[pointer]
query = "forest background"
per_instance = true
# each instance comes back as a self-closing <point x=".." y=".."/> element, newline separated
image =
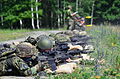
<point x="35" y="14"/>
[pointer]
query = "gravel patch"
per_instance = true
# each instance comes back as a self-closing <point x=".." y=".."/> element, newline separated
<point x="32" y="34"/>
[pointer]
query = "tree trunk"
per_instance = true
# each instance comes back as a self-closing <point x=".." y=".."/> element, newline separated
<point x="52" y="24"/>
<point x="37" y="15"/>
<point x="76" y="5"/>
<point x="21" y="24"/>
<point x="92" y="12"/>
<point x="1" y="16"/>
<point x="2" y="20"/>
<point x="33" y="26"/>
<point x="58" y="16"/>
<point x="64" y="13"/>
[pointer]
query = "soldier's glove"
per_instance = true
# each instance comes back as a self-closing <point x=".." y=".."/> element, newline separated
<point x="71" y="47"/>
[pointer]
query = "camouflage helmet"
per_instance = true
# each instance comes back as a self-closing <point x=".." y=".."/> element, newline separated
<point x="41" y="37"/>
<point x="45" y="42"/>
<point x="26" y="49"/>
<point x="62" y="37"/>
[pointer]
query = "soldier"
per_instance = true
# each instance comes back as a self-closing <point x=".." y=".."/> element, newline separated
<point x="74" y="21"/>
<point x="80" y="24"/>
<point x="70" y="21"/>
<point x="45" y="46"/>
<point x="13" y="61"/>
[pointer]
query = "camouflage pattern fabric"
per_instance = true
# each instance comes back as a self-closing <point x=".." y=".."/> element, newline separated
<point x="11" y="61"/>
<point x="70" y="24"/>
<point x="26" y="49"/>
<point x="42" y="37"/>
<point x="31" y="40"/>
<point x="71" y="33"/>
<point x="3" y="67"/>
<point x="15" y="63"/>
<point x="69" y="20"/>
<point x="81" y="28"/>
<point x="62" y="38"/>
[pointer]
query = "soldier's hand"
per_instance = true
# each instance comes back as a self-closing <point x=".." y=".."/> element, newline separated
<point x="71" y="47"/>
<point x="68" y="60"/>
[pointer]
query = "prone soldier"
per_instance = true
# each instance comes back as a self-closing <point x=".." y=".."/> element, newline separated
<point x="53" y="58"/>
<point x="12" y="61"/>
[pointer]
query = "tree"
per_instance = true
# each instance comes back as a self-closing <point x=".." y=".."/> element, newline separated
<point x="32" y="14"/>
<point x="17" y="13"/>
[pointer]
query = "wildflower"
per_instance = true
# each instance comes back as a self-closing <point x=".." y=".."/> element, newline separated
<point x="113" y="44"/>
<point x="118" y="75"/>
<point x="97" y="77"/>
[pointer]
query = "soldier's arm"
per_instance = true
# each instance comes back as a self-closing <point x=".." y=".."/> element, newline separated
<point x="23" y="68"/>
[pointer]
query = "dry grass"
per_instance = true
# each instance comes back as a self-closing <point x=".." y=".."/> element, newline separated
<point x="12" y="34"/>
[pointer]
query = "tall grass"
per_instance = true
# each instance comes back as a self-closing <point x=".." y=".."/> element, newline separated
<point x="107" y="56"/>
<point x="107" y="43"/>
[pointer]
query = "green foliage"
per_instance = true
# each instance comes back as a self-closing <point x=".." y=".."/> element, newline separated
<point x="52" y="13"/>
<point x="16" y="10"/>
<point x="108" y="10"/>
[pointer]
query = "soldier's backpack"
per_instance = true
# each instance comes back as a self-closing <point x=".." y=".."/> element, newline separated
<point x="26" y="49"/>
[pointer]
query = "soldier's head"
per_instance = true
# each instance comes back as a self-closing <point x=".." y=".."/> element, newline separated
<point x="45" y="43"/>
<point x="69" y="7"/>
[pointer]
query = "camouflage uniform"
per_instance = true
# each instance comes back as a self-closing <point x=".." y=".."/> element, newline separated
<point x="15" y="65"/>
<point x="70" y="21"/>
<point x="61" y="37"/>
<point x="80" y="24"/>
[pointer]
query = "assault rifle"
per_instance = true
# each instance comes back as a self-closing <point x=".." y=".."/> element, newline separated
<point x="64" y="46"/>
<point x="81" y="38"/>
<point x="52" y="57"/>
<point x="56" y="55"/>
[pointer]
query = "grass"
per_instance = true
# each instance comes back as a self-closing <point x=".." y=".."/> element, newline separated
<point x="107" y="47"/>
